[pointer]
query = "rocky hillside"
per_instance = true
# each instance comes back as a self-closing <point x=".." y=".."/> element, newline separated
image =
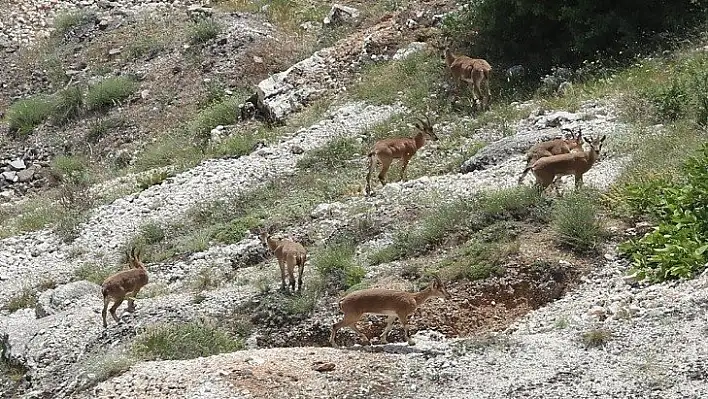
<point x="185" y="128"/>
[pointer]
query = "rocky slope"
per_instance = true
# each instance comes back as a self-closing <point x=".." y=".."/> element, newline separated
<point x="605" y="337"/>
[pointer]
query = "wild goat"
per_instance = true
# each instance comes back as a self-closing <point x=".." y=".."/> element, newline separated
<point x="126" y="283"/>
<point x="403" y="148"/>
<point x="574" y="163"/>
<point x="552" y="147"/>
<point x="289" y="254"/>
<point x="392" y="303"/>
<point x="475" y="71"/>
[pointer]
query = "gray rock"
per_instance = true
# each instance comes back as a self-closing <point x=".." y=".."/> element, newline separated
<point x="18" y="164"/>
<point x="66" y="296"/>
<point x="27" y="175"/>
<point x="341" y="14"/>
<point x="10" y="176"/>
<point x="412" y="48"/>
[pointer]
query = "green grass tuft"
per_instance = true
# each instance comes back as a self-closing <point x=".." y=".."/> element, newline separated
<point x="24" y="115"/>
<point x="184" y="341"/>
<point x="109" y="92"/>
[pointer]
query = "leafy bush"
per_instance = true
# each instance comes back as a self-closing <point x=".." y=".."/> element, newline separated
<point x="184" y="341"/>
<point x="542" y="34"/>
<point x="234" y="230"/>
<point x="575" y="221"/>
<point x="335" y="262"/>
<point x="685" y="94"/>
<point x="24" y="115"/>
<point x="109" y="92"/>
<point x="677" y="245"/>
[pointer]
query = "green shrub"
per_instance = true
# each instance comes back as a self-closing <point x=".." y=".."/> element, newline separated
<point x="479" y="260"/>
<point x="103" y="366"/>
<point x="68" y="104"/>
<point x="411" y="80"/>
<point x="152" y="233"/>
<point x="94" y="272"/>
<point x="596" y="337"/>
<point x="575" y="221"/>
<point x="459" y="219"/>
<point x="65" y="22"/>
<point x="24" y="115"/>
<point x="335" y="262"/>
<point x="539" y="35"/>
<point x="100" y="128"/>
<point x="676" y="247"/>
<point x="333" y="155"/>
<point x="184" y="341"/>
<point x="109" y="92"/>
<point x="222" y="113"/>
<point x="144" y="47"/>
<point x="25" y="299"/>
<point x="234" y="230"/>
<point x="203" y="30"/>
<point x="152" y="179"/>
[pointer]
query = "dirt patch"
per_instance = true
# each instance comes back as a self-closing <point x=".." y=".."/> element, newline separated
<point x="271" y="379"/>
<point x="475" y="307"/>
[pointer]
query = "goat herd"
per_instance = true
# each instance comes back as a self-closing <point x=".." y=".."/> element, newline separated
<point x="547" y="161"/>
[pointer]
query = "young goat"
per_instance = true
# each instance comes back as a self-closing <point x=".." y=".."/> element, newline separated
<point x="574" y="163"/>
<point x="289" y="254"/>
<point x="552" y="147"/>
<point x="475" y="71"/>
<point x="392" y="303"/>
<point x="403" y="148"/>
<point x="126" y="283"/>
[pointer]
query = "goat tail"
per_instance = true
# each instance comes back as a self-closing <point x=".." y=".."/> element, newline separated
<point x="523" y="174"/>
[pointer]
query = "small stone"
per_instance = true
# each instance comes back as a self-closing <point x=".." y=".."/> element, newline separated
<point x="114" y="51"/>
<point x="257" y="59"/>
<point x="296" y="149"/>
<point x="18" y="164"/>
<point x="323" y="367"/>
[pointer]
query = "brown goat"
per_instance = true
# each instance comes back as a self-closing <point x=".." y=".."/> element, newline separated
<point x="126" y="283"/>
<point x="552" y="147"/>
<point x="289" y="254"/>
<point x="474" y="71"/>
<point x="403" y="148"/>
<point x="574" y="163"/>
<point x="392" y="303"/>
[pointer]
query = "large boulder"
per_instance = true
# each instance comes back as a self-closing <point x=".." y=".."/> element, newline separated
<point x="65" y="297"/>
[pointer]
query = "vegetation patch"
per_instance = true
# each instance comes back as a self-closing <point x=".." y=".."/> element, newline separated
<point x="575" y="221"/>
<point x="24" y="115"/>
<point x="483" y="256"/>
<point x="335" y="264"/>
<point x="184" y="341"/>
<point x="109" y="92"/>
<point x="95" y="272"/>
<point x="676" y="247"/>
<point x="595" y="338"/>
<point x="412" y="80"/>
<point x="456" y="221"/>
<point x="104" y="366"/>
<point x="203" y="30"/>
